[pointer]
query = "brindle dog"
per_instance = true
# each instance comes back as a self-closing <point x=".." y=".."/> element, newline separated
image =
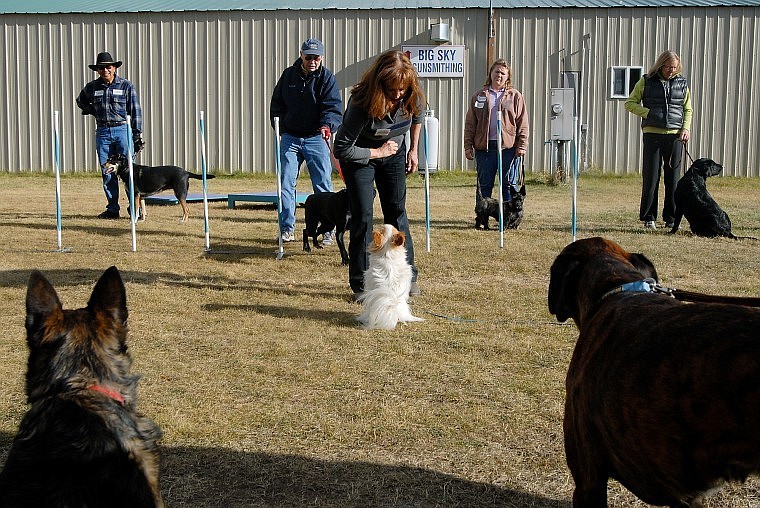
<point x="661" y="395"/>
<point x="82" y="443"/>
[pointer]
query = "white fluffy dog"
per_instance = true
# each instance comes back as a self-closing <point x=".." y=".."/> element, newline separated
<point x="386" y="282"/>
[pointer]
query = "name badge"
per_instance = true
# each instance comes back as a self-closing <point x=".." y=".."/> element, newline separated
<point x="479" y="105"/>
<point x="118" y="92"/>
<point x="98" y="93"/>
<point x="382" y="132"/>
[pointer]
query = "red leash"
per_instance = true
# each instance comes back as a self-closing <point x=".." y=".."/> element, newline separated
<point x="334" y="160"/>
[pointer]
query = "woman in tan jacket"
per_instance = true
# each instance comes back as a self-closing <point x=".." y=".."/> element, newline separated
<point x="496" y="98"/>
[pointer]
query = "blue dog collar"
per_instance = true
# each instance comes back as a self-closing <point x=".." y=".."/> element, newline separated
<point x="639" y="286"/>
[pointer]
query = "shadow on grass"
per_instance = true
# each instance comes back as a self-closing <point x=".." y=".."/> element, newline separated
<point x="212" y="477"/>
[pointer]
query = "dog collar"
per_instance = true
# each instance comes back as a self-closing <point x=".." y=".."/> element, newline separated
<point x="639" y="286"/>
<point x="107" y="391"/>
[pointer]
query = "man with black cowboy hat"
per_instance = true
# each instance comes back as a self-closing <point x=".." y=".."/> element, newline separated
<point x="110" y="99"/>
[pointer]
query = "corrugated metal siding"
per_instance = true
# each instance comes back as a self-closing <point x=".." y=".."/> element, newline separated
<point x="226" y="64"/>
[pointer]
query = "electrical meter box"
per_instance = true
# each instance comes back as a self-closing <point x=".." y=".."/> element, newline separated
<point x="561" y="106"/>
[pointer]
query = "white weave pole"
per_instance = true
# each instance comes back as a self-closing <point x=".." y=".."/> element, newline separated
<point x="501" y="184"/>
<point x="427" y="183"/>
<point x="57" y="159"/>
<point x="280" y="250"/>
<point x="204" y="170"/>
<point x="133" y="206"/>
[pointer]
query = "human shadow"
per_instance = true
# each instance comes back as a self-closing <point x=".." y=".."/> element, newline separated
<point x="213" y="477"/>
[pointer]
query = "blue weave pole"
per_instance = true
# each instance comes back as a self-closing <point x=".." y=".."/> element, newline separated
<point x="204" y="171"/>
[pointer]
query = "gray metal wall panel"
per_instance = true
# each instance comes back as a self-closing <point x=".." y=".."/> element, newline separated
<point x="226" y="63"/>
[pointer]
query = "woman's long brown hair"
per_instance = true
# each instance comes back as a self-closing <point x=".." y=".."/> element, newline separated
<point x="392" y="69"/>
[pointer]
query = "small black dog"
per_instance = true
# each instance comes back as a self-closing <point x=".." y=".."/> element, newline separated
<point x="82" y="442"/>
<point x="151" y="180"/>
<point x="489" y="207"/>
<point x="694" y="202"/>
<point x="326" y="211"/>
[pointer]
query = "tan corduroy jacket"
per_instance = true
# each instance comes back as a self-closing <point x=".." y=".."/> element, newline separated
<point x="514" y="120"/>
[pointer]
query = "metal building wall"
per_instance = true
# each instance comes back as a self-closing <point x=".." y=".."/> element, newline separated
<point x="226" y="64"/>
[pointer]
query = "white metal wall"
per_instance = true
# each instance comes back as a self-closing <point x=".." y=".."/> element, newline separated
<point x="226" y="64"/>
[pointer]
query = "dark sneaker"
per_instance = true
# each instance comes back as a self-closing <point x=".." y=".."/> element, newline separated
<point x="414" y="289"/>
<point x="108" y="214"/>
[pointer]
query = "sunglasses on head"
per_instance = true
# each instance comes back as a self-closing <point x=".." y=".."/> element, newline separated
<point x="312" y="57"/>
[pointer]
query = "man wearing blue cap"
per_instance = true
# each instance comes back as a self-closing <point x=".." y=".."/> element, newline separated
<point x="307" y="101"/>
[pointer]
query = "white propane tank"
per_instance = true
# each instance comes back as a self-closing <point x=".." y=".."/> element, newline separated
<point x="428" y="150"/>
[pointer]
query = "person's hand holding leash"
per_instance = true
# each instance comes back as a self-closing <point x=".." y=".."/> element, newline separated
<point x="684" y="135"/>
<point x="326" y="133"/>
<point x="387" y="149"/>
<point x="139" y="144"/>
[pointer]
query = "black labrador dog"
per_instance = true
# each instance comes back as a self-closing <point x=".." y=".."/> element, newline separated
<point x="694" y="202"/>
<point x="325" y="211"/>
<point x="153" y="179"/>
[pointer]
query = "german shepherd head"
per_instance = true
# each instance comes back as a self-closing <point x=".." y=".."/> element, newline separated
<point x="82" y="442"/>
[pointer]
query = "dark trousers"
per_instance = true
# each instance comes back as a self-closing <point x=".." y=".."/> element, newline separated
<point x="389" y="175"/>
<point x="662" y="152"/>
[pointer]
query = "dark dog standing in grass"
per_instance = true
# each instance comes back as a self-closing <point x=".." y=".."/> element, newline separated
<point x="82" y="443"/>
<point x="326" y="211"/>
<point x="489" y="207"/>
<point x="661" y="395"/>
<point x="151" y="180"/>
<point x="693" y="201"/>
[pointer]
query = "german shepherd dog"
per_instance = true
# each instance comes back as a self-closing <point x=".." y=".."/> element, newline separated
<point x="82" y="443"/>
<point x="151" y="180"/>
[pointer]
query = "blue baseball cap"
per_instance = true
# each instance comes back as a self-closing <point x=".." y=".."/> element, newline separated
<point x="313" y="47"/>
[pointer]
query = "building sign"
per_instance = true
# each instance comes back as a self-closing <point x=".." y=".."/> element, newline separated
<point x="437" y="61"/>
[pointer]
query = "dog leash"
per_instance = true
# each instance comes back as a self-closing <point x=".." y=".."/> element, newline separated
<point x="334" y="160"/>
<point x="652" y="286"/>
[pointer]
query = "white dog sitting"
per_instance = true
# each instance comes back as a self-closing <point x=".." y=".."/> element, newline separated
<point x="386" y="282"/>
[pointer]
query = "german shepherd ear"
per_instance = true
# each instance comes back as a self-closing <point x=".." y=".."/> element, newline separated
<point x="110" y="296"/>
<point x="41" y="302"/>
<point x="643" y="265"/>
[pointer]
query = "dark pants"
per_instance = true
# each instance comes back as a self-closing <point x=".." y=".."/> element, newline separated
<point x="662" y="152"/>
<point x="389" y="175"/>
<point x="487" y="165"/>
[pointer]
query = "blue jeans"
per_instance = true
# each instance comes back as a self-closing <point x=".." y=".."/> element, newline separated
<point x="293" y="152"/>
<point x="389" y="175"/>
<point x="111" y="141"/>
<point x="487" y="165"/>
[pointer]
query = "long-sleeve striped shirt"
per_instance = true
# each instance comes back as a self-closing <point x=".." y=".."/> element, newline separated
<point x="110" y="104"/>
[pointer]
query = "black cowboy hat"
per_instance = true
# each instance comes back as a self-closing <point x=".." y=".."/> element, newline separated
<point x="103" y="59"/>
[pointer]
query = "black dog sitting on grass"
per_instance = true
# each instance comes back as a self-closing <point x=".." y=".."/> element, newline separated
<point x="326" y="211"/>
<point x="694" y="202"/>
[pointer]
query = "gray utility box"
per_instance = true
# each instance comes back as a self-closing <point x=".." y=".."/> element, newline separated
<point x="561" y="106"/>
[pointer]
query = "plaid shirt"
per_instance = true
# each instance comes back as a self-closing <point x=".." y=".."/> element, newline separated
<point x="110" y="104"/>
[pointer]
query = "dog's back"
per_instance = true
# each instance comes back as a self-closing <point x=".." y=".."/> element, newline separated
<point x="326" y="211"/>
<point x="82" y="443"/>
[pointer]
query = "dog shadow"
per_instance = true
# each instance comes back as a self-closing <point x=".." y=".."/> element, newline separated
<point x="211" y="477"/>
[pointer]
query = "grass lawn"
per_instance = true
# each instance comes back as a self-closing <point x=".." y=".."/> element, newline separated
<point x="268" y="392"/>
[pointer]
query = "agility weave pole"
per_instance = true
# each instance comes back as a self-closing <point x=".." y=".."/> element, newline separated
<point x="204" y="171"/>
<point x="501" y="183"/>
<point x="427" y="183"/>
<point x="132" y="207"/>
<point x="280" y="250"/>
<point x="57" y="160"/>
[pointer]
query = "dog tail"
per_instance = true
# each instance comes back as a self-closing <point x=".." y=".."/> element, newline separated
<point x="200" y="177"/>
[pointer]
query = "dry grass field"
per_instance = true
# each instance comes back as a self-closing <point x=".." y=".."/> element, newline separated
<point x="270" y="395"/>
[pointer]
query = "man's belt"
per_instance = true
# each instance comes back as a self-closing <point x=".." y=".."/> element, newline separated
<point x="111" y="124"/>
